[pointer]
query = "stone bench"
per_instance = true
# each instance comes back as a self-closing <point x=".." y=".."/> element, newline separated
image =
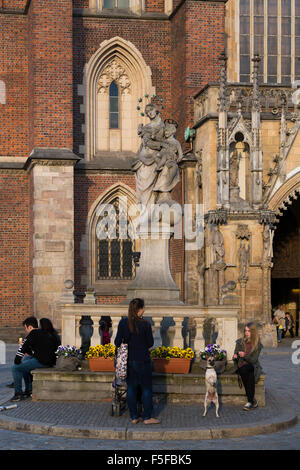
<point x="83" y="385"/>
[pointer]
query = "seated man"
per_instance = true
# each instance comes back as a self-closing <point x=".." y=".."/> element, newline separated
<point x="41" y="343"/>
<point x="29" y="324"/>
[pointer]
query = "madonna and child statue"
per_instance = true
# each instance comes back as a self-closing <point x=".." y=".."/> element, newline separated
<point x="157" y="174"/>
<point x="156" y="166"/>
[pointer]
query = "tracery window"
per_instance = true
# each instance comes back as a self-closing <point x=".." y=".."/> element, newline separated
<point x="115" y="251"/>
<point x="271" y="29"/>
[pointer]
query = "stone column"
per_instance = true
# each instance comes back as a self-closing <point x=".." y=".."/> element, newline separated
<point x="191" y="246"/>
<point x="52" y="220"/>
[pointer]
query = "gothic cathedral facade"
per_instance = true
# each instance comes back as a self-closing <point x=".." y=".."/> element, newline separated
<point x="74" y="79"/>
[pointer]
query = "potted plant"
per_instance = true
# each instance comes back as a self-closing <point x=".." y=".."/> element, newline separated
<point x="101" y="357"/>
<point x="172" y="360"/>
<point x="68" y="358"/>
<point x="220" y="356"/>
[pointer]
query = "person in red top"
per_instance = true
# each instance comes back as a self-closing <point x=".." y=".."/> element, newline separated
<point x="246" y="353"/>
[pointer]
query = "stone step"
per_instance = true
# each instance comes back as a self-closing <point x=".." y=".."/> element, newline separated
<point x="55" y="385"/>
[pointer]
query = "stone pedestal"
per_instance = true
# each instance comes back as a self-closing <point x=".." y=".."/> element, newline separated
<point x="154" y="282"/>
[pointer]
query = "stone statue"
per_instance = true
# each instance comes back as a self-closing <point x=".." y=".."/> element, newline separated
<point x="243" y="260"/>
<point x="217" y="244"/>
<point x="234" y="169"/>
<point x="267" y="243"/>
<point x="156" y="168"/>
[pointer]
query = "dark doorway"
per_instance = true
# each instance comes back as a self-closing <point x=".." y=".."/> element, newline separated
<point x="285" y="285"/>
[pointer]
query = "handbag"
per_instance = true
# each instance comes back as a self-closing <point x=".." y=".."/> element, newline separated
<point x="121" y="362"/>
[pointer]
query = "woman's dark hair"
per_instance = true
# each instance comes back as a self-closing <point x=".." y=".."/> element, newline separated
<point x="134" y="307"/>
<point x="46" y="326"/>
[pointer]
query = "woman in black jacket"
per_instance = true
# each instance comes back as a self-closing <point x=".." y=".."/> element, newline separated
<point x="246" y="354"/>
<point x="137" y="333"/>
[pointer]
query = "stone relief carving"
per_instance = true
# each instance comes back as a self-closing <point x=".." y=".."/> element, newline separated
<point x="113" y="72"/>
<point x="156" y="167"/>
<point x="268" y="236"/>
<point x="243" y="255"/>
<point x="243" y="232"/>
<point x="234" y="169"/>
<point x="217" y="247"/>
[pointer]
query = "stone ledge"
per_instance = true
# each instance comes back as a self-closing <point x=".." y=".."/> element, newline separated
<point x="86" y="386"/>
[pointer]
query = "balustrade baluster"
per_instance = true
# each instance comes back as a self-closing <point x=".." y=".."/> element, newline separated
<point x="156" y="331"/>
<point x="95" y="339"/>
<point x="178" y="338"/>
<point x="199" y="342"/>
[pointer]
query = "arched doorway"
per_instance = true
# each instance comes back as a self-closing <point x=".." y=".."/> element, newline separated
<point x="285" y="285"/>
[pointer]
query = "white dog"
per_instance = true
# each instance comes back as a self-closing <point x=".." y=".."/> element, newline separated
<point x="211" y="394"/>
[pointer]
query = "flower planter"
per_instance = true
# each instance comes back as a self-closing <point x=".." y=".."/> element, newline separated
<point x="67" y="363"/>
<point x="102" y="364"/>
<point x="173" y="365"/>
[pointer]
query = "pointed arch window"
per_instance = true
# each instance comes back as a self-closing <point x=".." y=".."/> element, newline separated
<point x="114" y="106"/>
<point x="115" y="252"/>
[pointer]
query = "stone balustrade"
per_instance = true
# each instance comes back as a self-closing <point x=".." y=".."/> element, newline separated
<point x="170" y="325"/>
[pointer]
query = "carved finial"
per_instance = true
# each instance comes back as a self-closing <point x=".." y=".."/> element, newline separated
<point x="223" y="81"/>
<point x="255" y="96"/>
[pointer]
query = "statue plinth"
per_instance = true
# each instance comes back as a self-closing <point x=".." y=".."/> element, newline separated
<point x="154" y="282"/>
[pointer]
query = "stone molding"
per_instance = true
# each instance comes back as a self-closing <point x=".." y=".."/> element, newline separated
<point x="50" y="157"/>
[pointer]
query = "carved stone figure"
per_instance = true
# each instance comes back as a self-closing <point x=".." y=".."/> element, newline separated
<point x="267" y="243"/>
<point x="243" y="260"/>
<point x="156" y="168"/>
<point x="217" y="244"/>
<point x="234" y="169"/>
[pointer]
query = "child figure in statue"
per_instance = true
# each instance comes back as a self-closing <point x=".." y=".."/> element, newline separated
<point x="171" y="149"/>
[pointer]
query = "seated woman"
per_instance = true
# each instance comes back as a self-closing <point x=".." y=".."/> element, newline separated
<point x="246" y="353"/>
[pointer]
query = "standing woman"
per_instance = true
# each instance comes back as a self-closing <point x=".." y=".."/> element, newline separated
<point x="246" y="353"/>
<point x="137" y="333"/>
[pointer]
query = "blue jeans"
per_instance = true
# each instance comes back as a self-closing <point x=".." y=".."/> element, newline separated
<point x="22" y="371"/>
<point x="279" y="333"/>
<point x="139" y="374"/>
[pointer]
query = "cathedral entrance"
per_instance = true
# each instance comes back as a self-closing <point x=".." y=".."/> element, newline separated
<point x="285" y="286"/>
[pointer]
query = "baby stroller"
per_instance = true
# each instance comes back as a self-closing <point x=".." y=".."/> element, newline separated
<point x="119" y="384"/>
<point x="118" y="404"/>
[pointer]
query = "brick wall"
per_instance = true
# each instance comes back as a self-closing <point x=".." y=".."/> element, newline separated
<point x="50" y="73"/>
<point x="13" y="72"/>
<point x="15" y="282"/>
<point x="197" y="32"/>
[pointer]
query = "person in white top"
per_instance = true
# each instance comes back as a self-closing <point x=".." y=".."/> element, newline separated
<point x="279" y="321"/>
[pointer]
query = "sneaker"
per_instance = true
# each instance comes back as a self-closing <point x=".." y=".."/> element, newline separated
<point x="27" y="394"/>
<point x="248" y="406"/>
<point x="17" y="397"/>
<point x="254" y="404"/>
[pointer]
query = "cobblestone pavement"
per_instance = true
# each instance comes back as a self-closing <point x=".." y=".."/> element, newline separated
<point x="282" y="378"/>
